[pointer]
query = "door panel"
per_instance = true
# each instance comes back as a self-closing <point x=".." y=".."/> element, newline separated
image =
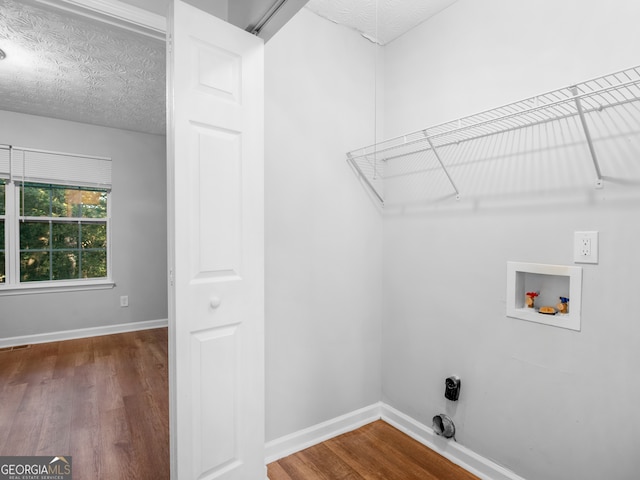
<point x="215" y="396"/>
<point x="216" y="180"/>
<point x="218" y="71"/>
<point x="216" y="297"/>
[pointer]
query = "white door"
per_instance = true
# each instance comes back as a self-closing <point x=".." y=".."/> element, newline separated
<point x="216" y="248"/>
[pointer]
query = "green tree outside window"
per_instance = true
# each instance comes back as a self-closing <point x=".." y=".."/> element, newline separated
<point x="63" y="233"/>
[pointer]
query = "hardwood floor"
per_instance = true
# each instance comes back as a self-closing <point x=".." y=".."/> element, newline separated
<point x="104" y="401"/>
<point x="375" y="451"/>
<point x="101" y="400"/>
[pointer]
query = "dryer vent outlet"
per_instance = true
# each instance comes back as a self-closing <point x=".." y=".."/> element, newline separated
<point x="443" y="426"/>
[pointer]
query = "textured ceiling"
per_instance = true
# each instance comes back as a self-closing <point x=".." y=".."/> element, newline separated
<point x="65" y="66"/>
<point x="394" y="17"/>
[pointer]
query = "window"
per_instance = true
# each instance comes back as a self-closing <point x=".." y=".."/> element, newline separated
<point x="63" y="233"/>
<point x="55" y="216"/>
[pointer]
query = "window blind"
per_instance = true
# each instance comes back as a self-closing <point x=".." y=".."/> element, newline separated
<point x="5" y="155"/>
<point x="39" y="166"/>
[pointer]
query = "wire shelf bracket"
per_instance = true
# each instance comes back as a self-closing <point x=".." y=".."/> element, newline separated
<point x="587" y="134"/>
<point x="444" y="168"/>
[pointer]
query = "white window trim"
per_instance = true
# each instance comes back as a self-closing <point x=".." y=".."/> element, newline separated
<point x="12" y="285"/>
<point x="56" y="286"/>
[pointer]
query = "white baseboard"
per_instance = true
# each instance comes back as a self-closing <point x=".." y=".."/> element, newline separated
<point x="297" y="441"/>
<point x="82" y="333"/>
<point x="469" y="460"/>
<point x="460" y="455"/>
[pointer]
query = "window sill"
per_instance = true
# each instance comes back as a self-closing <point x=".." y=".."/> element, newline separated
<point x="55" y="287"/>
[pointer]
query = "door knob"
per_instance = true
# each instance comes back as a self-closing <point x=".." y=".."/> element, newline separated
<point x="215" y="302"/>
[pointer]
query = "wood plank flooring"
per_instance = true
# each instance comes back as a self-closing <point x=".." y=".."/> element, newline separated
<point x="102" y="400"/>
<point x="376" y="451"/>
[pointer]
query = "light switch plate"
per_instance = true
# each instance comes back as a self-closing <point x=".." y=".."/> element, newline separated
<point x="585" y="247"/>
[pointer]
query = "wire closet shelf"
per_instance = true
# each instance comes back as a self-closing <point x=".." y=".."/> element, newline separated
<point x="614" y="90"/>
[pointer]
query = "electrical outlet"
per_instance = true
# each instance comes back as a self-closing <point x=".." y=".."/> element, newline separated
<point x="124" y="301"/>
<point x="585" y="247"/>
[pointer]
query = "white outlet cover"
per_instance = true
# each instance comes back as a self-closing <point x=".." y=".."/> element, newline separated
<point x="578" y="247"/>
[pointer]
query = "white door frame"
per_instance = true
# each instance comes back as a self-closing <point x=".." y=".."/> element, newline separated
<point x="117" y="13"/>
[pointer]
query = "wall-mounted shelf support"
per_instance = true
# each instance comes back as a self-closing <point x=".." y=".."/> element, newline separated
<point x="444" y="168"/>
<point x="587" y="134"/>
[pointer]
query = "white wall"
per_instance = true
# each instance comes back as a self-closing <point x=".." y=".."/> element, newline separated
<point x="323" y="233"/>
<point x="548" y="403"/>
<point x="139" y="226"/>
